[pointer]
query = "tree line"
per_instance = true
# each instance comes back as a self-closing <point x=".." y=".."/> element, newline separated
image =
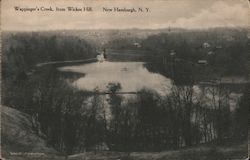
<point x="24" y="50"/>
<point x="224" y="49"/>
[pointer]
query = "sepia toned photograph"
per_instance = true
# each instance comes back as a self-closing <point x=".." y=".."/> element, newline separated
<point x="125" y="80"/>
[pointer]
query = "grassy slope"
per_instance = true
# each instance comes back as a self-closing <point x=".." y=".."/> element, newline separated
<point x="17" y="135"/>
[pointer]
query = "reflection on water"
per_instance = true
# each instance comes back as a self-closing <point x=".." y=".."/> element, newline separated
<point x="131" y="75"/>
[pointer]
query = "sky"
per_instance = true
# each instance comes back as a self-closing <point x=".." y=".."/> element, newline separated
<point x="189" y="14"/>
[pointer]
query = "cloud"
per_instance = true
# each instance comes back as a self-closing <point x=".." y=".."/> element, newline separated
<point x="220" y="14"/>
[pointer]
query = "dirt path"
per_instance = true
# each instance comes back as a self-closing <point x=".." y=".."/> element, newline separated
<point x="61" y="62"/>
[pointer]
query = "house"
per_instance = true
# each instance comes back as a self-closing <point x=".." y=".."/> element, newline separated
<point x="206" y="45"/>
<point x="138" y="45"/>
<point x="172" y="53"/>
<point x="218" y="47"/>
<point x="102" y="56"/>
<point x="210" y="53"/>
<point x="203" y="62"/>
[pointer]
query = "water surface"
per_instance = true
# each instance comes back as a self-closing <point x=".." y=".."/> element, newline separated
<point x="132" y="76"/>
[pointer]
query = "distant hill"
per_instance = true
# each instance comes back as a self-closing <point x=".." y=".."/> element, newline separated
<point x="102" y="36"/>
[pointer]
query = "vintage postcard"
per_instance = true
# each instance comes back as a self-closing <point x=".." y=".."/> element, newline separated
<point x="125" y="79"/>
